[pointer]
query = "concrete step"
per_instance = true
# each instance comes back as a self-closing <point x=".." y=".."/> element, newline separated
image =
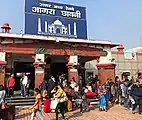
<point x="20" y="101"/>
<point x="18" y="93"/>
<point x="21" y="104"/>
<point x="19" y="98"/>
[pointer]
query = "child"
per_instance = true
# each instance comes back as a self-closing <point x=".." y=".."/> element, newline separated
<point x="102" y="99"/>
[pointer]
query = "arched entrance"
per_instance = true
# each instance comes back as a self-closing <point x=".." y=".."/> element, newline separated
<point x="58" y="30"/>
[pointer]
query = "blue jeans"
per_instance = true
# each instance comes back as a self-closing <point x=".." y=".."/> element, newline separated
<point x="23" y="90"/>
<point x="39" y="112"/>
<point x="126" y="102"/>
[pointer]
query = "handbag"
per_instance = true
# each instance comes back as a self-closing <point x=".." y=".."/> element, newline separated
<point x="3" y="106"/>
<point x="35" y="109"/>
<point x="54" y="104"/>
<point x="90" y="94"/>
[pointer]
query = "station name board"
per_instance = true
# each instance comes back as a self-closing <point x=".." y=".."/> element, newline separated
<point x="49" y="18"/>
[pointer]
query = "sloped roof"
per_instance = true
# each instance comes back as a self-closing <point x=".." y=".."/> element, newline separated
<point x="137" y="49"/>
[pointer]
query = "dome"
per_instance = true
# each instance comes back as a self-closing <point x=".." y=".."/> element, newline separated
<point x="58" y="22"/>
<point x="6" y="25"/>
<point x="120" y="46"/>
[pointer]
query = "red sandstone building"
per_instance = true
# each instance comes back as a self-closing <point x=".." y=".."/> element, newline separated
<point x="126" y="62"/>
<point x="45" y="55"/>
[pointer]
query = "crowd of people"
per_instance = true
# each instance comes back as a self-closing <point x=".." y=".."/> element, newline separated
<point x="60" y="95"/>
<point x="126" y="92"/>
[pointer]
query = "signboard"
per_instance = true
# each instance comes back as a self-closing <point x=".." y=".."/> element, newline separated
<point x="39" y="58"/>
<point x="54" y="19"/>
<point x="130" y="55"/>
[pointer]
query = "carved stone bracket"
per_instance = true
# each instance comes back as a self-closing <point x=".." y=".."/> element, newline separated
<point x="39" y="64"/>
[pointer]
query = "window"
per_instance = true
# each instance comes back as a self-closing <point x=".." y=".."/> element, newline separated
<point x="64" y="31"/>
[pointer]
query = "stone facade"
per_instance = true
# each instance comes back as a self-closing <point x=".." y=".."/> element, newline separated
<point x="122" y="65"/>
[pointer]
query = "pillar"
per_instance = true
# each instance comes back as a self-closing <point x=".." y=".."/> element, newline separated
<point x="106" y="71"/>
<point x="39" y="65"/>
<point x="3" y="64"/>
<point x="72" y="72"/>
<point x="39" y="73"/>
<point x="2" y="72"/>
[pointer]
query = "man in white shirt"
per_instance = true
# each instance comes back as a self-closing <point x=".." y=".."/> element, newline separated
<point x="24" y="83"/>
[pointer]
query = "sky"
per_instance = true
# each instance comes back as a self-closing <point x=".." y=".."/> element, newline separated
<point x="119" y="21"/>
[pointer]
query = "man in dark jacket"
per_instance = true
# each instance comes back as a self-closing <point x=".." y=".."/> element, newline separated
<point x="137" y="96"/>
<point x="51" y="85"/>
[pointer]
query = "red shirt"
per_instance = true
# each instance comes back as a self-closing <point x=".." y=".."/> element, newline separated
<point x="11" y="82"/>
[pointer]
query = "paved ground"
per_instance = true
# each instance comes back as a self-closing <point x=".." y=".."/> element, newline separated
<point x="115" y="113"/>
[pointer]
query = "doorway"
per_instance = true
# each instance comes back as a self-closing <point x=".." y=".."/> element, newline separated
<point x="24" y="67"/>
<point x="58" y="69"/>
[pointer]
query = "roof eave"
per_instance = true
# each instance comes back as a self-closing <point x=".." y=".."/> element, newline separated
<point x="57" y="39"/>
